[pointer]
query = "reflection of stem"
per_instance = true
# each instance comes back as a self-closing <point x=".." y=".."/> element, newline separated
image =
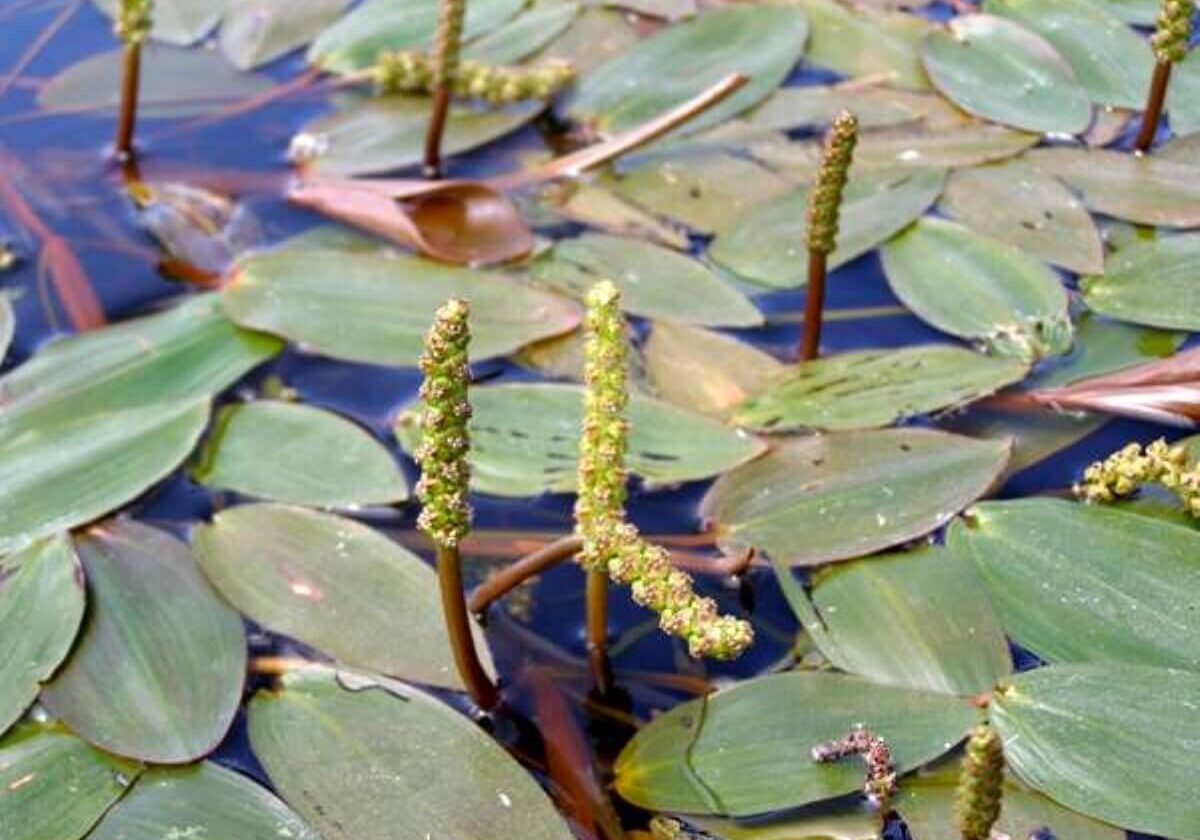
<point x="127" y="120"/>
<point x="814" y="306"/>
<point x="1154" y="106"/>
<point x="433" y="131"/>
<point x="511" y="576"/>
<point x="458" y="626"/>
<point x="597" y="631"/>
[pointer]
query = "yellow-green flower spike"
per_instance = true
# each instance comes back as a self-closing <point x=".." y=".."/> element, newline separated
<point x="981" y="785"/>
<point x="133" y="21"/>
<point x="447" y="41"/>
<point x="445" y="474"/>
<point x="600" y="503"/>
<point x="825" y="199"/>
<point x="1173" y="30"/>
<point x="410" y="71"/>
<point x="1121" y="474"/>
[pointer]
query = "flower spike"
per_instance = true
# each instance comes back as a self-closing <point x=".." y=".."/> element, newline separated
<point x="980" y="787"/>
<point x="825" y="200"/>
<point x="1173" y="30"/>
<point x="1122" y="473"/>
<point x="880" y="784"/>
<point x="409" y="71"/>
<point x="133" y="21"/>
<point x="447" y="41"/>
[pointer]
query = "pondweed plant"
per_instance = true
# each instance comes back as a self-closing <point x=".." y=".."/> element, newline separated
<point x="824" y="207"/>
<point x="132" y="27"/>
<point x="1121" y="474"/>
<point x="880" y="784"/>
<point x="1170" y="44"/>
<point x="981" y="784"/>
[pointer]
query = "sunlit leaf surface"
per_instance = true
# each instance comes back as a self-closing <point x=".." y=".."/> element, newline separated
<point x="182" y="22"/>
<point x="255" y="32"/>
<point x="1151" y="283"/>
<point x="865" y="43"/>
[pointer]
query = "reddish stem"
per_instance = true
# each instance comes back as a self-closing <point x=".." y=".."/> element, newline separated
<point x="127" y="119"/>
<point x="814" y="306"/>
<point x="1154" y="106"/>
<point x="434" y="131"/>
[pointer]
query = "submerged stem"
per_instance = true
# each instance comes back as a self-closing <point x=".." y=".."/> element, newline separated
<point x="130" y="81"/>
<point x="597" y="631"/>
<point x="1155" y="100"/>
<point x="434" y="130"/>
<point x="814" y="306"/>
<point x="458" y="626"/>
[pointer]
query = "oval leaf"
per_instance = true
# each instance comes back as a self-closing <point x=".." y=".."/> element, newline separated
<point x="767" y="243"/>
<point x="1001" y="71"/>
<point x="861" y="42"/>
<point x="832" y="497"/>
<point x="1062" y="581"/>
<point x="1183" y="96"/>
<point x="255" y="32"/>
<point x="357" y="764"/>
<point x="1109" y="741"/>
<point x="1151" y="282"/>
<point x="41" y="606"/>
<point x="655" y="282"/>
<point x="300" y="455"/>
<point x="334" y="584"/>
<point x="748" y="749"/>
<point x="873" y="388"/>
<point x="377" y="307"/>
<point x="979" y="289"/>
<point x="525" y="34"/>
<point x="182" y="22"/>
<point x="759" y="41"/>
<point x="204" y="800"/>
<point x="525" y="440"/>
<point x="157" y="673"/>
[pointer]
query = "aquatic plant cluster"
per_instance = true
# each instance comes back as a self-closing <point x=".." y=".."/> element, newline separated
<point x="944" y="586"/>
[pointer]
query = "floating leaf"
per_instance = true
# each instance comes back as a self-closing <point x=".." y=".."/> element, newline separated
<point x="377" y="307"/>
<point x="595" y="37"/>
<point x="1110" y="741"/>
<point x="700" y="191"/>
<point x="829" y="497"/>
<point x="1152" y="283"/>
<point x="58" y="476"/>
<point x="813" y="106"/>
<point x="655" y="282"/>
<point x="255" y="32"/>
<point x="979" y="289"/>
<point x="204" y="800"/>
<point x="1035" y="435"/>
<point x="8" y="325"/>
<point x="1103" y="346"/>
<point x="866" y="43"/>
<point x="1062" y="580"/>
<point x="181" y="22"/>
<point x="175" y="83"/>
<point x="157" y="673"/>
<point x="300" y="455"/>
<point x="1141" y="189"/>
<point x="1143" y="12"/>
<point x="1111" y="62"/>
<point x="565" y="357"/>
<point x="41" y="605"/>
<point x="386" y="133"/>
<point x="829" y="822"/>
<point x="748" y="749"/>
<point x="354" y="41"/>
<point x="596" y="206"/>
<point x="1183" y="96"/>
<point x="370" y="764"/>
<point x="334" y="584"/>
<point x="524" y="35"/>
<point x="766" y="243"/>
<point x="1028" y="210"/>
<point x="55" y="786"/>
<point x="704" y="371"/>
<point x="525" y="440"/>
<point x="871" y="388"/>
<point x="1001" y="71"/>
<point x="758" y="41"/>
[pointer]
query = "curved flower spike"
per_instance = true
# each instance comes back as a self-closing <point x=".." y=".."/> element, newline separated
<point x="133" y="21"/>
<point x="880" y="784"/>
<point x="1173" y="30"/>
<point x="980" y="787"/>
<point x="825" y="199"/>
<point x="410" y="71"/>
<point x="445" y="474"/>
<point x="1122" y="473"/>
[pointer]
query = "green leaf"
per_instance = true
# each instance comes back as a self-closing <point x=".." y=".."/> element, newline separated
<point x="866" y="43"/>
<point x="827" y="822"/>
<point x="157" y="673"/>
<point x="1035" y="434"/>
<point x="817" y="499"/>
<point x="748" y="749"/>
<point x="699" y="191"/>
<point x="1028" y="210"/>
<point x="655" y="282"/>
<point x="1152" y="283"/>
<point x="814" y="106"/>
<point x="300" y="455"/>
<point x="377" y="134"/>
<point x="1111" y="62"/>
<point x="1001" y="71"/>
<point x="56" y="786"/>
<point x="175" y="83"/>
<point x="59" y="476"/>
<point x="1141" y="189"/>
<point x="354" y="41"/>
<point x="1110" y="741"/>
<point x="255" y="32"/>
<point x="872" y="388"/>
<point x="1143" y="12"/>
<point x="525" y="439"/>
<point x="180" y="22"/>
<point x="759" y="41"/>
<point x="596" y="36"/>
<point x="979" y="289"/>
<point x="1062" y="580"/>
<point x="334" y="584"/>
<point x="525" y="34"/>
<point x="203" y="800"/>
<point x="915" y="618"/>
<point x="1103" y="346"/>
<point x="367" y="763"/>
<point x="41" y="606"/>
<point x="1183" y="96"/>
<point x="8" y="325"/>
<point x="766" y="244"/>
<point x="377" y="307"/>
